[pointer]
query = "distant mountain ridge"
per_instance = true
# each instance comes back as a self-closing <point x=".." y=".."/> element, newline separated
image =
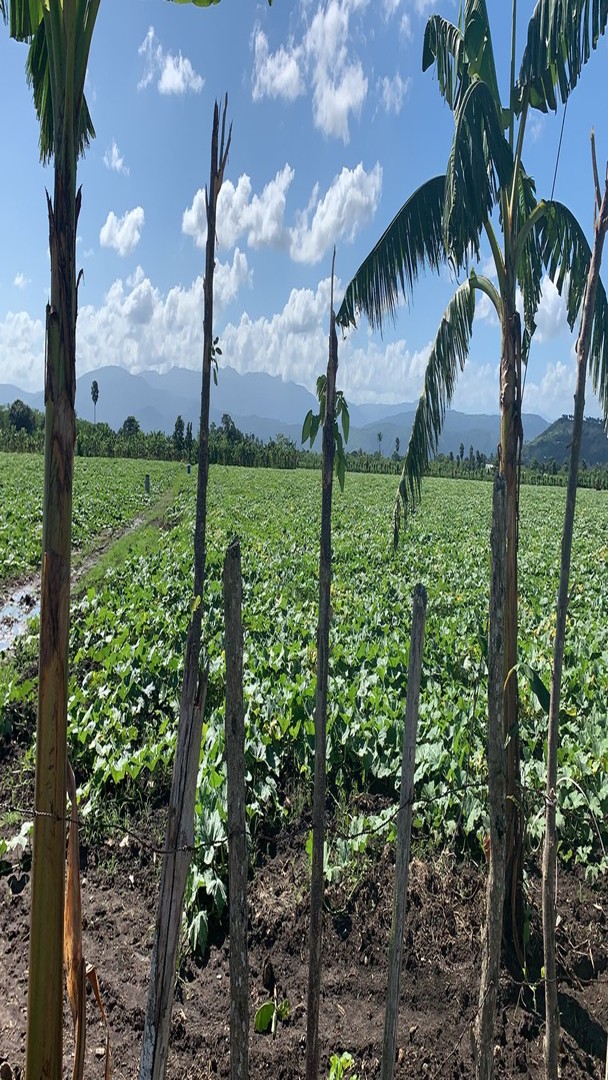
<point x="262" y="405"/>
<point x="554" y="443"/>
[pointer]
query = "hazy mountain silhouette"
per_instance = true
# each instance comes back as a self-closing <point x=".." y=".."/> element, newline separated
<point x="261" y="404"/>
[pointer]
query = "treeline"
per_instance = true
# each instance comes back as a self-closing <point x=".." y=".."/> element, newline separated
<point x="22" y="430"/>
<point x="537" y="473"/>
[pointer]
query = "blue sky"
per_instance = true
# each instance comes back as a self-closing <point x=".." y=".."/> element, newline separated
<point x="334" y="126"/>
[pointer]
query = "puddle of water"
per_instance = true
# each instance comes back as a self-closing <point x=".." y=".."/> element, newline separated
<point x="15" y="615"/>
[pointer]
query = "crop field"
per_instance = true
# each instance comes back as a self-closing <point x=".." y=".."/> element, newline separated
<point x="107" y="495"/>
<point x="127" y="643"/>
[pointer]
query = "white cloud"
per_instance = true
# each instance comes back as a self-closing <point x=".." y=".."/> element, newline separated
<point x="349" y="203"/>
<point x="175" y="74"/>
<point x="123" y="234"/>
<point x="383" y="371"/>
<point x="392" y="92"/>
<point x="114" y="160"/>
<point x="229" y="278"/>
<point x="240" y="213"/>
<point x="21" y="281"/>
<point x="484" y="309"/>
<point x="324" y="60"/>
<point x="554" y="393"/>
<point x="139" y="327"/>
<point x="551" y="319"/>
<point x="22" y="350"/>
<point x="278" y="74"/>
<point x="478" y="387"/>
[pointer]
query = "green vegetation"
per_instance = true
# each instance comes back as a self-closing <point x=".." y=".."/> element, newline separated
<point x="127" y="647"/>
<point x="552" y="447"/>
<point x="107" y="495"/>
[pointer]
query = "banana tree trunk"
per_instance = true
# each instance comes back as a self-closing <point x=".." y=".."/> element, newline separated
<point x="45" y="986"/>
<point x="510" y="441"/>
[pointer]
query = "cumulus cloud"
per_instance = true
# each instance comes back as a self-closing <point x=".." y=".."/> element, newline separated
<point x="174" y="74"/>
<point x="21" y="281"/>
<point x="139" y="327"/>
<point x="323" y="61"/>
<point x="241" y="213"/>
<point x="392" y="92"/>
<point x="123" y="234"/>
<point x="551" y="319"/>
<point x="22" y="350"/>
<point x="553" y="394"/>
<point x="349" y="203"/>
<point x="276" y="74"/>
<point x="114" y="160"/>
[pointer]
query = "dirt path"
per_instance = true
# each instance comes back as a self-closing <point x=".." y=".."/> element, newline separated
<point x="20" y="600"/>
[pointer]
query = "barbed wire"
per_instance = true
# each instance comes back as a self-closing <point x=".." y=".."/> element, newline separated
<point x="28" y="814"/>
<point x="333" y="831"/>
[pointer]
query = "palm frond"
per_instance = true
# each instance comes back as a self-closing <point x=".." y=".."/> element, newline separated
<point x="447" y="358"/>
<point x="561" y="36"/>
<point x="3" y="10"/>
<point x="529" y="268"/>
<point x="25" y="17"/>
<point x="38" y="71"/>
<point x="480" y="164"/>
<point x="479" y="50"/>
<point x="412" y="242"/>
<point x="566" y="255"/>
<point x="444" y="47"/>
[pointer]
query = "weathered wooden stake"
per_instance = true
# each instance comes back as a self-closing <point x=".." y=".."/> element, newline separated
<point x="552" y="1031"/>
<point x="237" y="834"/>
<point x="318" y="806"/>
<point x="497" y="787"/>
<point x="180" y="819"/>
<point x="404" y="833"/>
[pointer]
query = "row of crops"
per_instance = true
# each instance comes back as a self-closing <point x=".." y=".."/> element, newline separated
<point x="107" y="495"/>
<point x="127" y="644"/>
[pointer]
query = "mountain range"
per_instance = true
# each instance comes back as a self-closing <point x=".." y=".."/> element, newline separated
<point x="262" y="405"/>
<point x="554" y="443"/>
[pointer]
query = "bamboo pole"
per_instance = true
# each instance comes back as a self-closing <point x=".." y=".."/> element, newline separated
<point x="552" y="1031"/>
<point x="318" y="809"/>
<point x="237" y="835"/>
<point x="404" y="833"/>
<point x="180" y="818"/>
<point x="495" y="890"/>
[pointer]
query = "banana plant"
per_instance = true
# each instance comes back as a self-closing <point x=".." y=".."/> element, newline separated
<point x="487" y="194"/>
<point x="59" y="34"/>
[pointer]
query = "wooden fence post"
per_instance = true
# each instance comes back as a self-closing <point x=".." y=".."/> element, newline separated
<point x="404" y="833"/>
<point x="237" y="835"/>
<point x="497" y="794"/>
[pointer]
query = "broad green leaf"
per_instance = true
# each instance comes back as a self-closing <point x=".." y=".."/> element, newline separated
<point x="263" y="1017"/>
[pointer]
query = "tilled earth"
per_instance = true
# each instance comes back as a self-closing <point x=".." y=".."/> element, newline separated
<point x="439" y="988"/>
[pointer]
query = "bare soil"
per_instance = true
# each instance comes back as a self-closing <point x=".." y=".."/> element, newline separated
<point x="440" y="966"/>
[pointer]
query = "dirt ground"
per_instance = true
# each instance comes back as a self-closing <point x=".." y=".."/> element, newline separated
<point x="440" y="966"/>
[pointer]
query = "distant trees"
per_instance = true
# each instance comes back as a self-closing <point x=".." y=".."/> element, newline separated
<point x="178" y="438"/>
<point x="21" y="417"/>
<point x="95" y="397"/>
<point x="188" y="442"/>
<point x="130" y="428"/>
